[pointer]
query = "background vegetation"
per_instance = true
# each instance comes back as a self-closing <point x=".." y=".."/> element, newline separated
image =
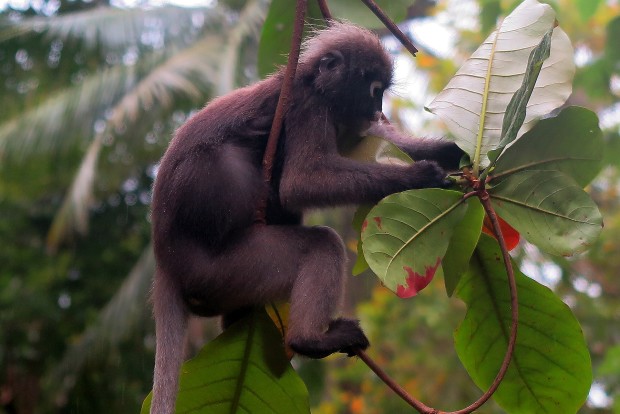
<point x="90" y="94"/>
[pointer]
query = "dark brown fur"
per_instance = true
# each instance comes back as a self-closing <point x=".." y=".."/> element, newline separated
<point x="211" y="258"/>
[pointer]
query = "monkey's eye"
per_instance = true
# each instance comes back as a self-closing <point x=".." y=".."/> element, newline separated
<point x="376" y="88"/>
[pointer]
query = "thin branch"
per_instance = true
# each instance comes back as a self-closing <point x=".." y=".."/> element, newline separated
<point x="400" y="391"/>
<point x="283" y="104"/>
<point x="391" y="26"/>
<point x="325" y="10"/>
<point x="514" y="303"/>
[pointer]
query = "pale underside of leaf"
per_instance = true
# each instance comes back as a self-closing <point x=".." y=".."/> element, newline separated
<point x="494" y="72"/>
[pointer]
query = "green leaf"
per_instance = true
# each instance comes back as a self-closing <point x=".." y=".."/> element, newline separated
<point x="549" y="209"/>
<point x="551" y="370"/>
<point x="462" y="244"/>
<point x="405" y="236"/>
<point x="275" y="40"/>
<point x="515" y="111"/>
<point x="571" y="142"/>
<point x="489" y="13"/>
<point x="243" y="370"/>
<point x="359" y="217"/>
<point x="389" y="153"/>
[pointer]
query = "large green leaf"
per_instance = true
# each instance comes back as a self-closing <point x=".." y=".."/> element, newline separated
<point x="244" y="370"/>
<point x="474" y="102"/>
<point x="571" y="142"/>
<point x="551" y="370"/>
<point x="549" y="209"/>
<point x="278" y="29"/>
<point x="462" y="245"/>
<point x="405" y="236"/>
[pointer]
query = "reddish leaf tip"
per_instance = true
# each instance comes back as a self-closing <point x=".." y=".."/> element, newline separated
<point x="415" y="282"/>
<point x="364" y="225"/>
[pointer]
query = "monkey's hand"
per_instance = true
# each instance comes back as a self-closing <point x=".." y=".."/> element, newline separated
<point x="342" y="335"/>
<point x="424" y="174"/>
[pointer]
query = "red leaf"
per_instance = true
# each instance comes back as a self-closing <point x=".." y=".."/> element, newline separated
<point x="511" y="236"/>
<point x="416" y="282"/>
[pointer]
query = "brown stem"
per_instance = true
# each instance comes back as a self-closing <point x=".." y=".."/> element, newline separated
<point x="421" y="407"/>
<point x="514" y="303"/>
<point x="325" y="10"/>
<point x="391" y="26"/>
<point x="283" y="104"/>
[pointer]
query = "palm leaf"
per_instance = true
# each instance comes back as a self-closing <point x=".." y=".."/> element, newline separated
<point x="114" y="28"/>
<point x="250" y="22"/>
<point x="115" y="322"/>
<point x="183" y="74"/>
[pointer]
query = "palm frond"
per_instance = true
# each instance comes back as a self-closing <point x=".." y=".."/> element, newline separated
<point x="185" y="74"/>
<point x="66" y="116"/>
<point x="250" y="22"/>
<point x="116" y="321"/>
<point x="115" y="29"/>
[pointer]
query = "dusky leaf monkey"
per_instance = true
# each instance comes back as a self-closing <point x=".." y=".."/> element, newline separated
<point x="213" y="259"/>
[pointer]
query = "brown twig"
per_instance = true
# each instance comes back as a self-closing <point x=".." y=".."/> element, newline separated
<point x="483" y="195"/>
<point x="283" y="104"/>
<point x="325" y="10"/>
<point x="400" y="391"/>
<point x="391" y="26"/>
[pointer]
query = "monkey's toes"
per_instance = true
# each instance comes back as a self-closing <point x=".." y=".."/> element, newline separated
<point x="350" y="334"/>
<point x="343" y="335"/>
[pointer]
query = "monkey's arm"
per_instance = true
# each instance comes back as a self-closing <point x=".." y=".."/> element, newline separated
<point x="446" y="153"/>
<point x="329" y="180"/>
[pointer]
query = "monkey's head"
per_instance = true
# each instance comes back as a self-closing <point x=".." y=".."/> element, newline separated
<point x="349" y="68"/>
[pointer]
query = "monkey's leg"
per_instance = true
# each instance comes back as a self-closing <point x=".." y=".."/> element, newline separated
<point x="270" y="263"/>
<point x="316" y="294"/>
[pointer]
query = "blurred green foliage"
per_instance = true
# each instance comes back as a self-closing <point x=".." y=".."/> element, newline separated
<point x="48" y="300"/>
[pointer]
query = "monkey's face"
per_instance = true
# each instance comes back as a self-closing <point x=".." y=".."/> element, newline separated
<point x="353" y="83"/>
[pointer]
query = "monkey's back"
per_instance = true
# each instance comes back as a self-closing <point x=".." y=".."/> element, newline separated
<point x="209" y="181"/>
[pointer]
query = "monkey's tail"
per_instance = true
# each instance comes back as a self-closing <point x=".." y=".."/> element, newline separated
<point x="170" y="327"/>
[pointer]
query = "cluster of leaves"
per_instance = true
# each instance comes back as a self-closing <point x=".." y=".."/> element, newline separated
<point x="535" y="184"/>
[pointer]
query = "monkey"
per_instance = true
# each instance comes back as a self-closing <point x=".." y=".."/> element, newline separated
<point x="214" y="259"/>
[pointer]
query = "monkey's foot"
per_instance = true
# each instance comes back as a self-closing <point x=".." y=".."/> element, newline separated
<point x="342" y="335"/>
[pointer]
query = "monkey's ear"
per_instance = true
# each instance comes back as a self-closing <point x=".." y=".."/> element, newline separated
<point x="331" y="61"/>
